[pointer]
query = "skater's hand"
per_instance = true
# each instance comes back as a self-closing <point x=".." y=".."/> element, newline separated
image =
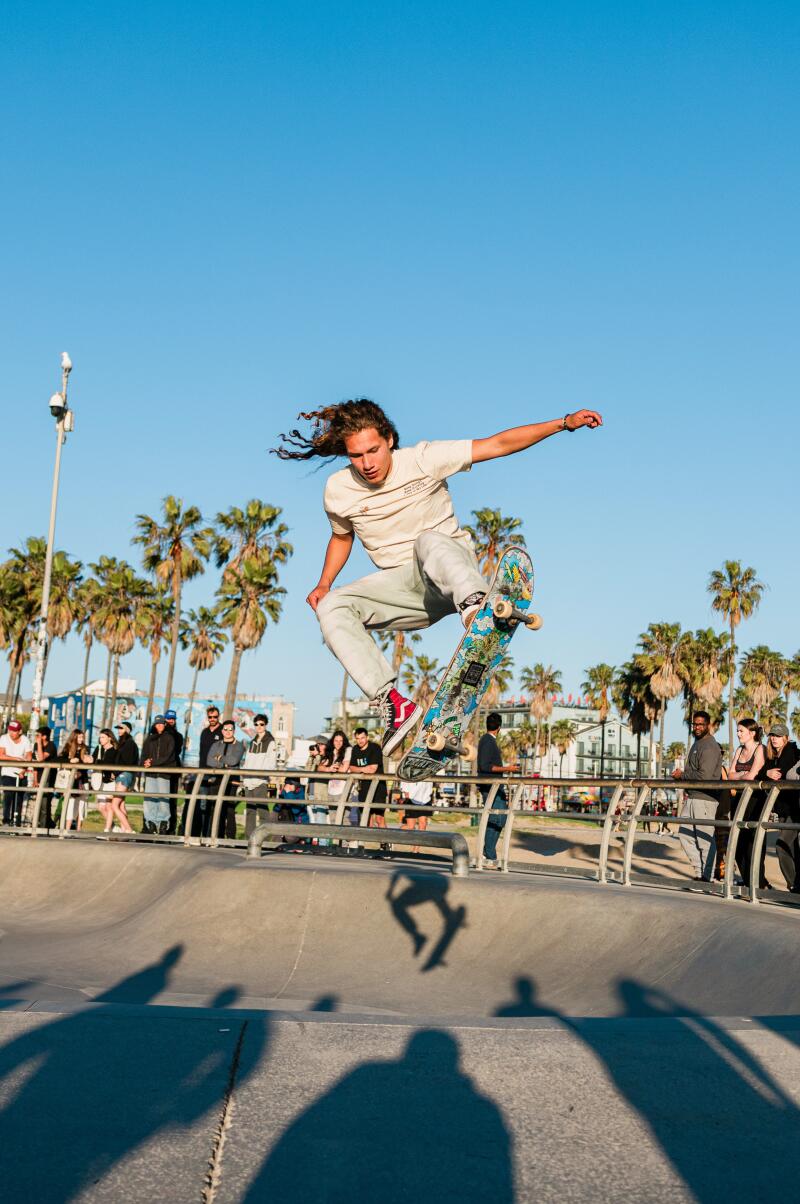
<point x="316" y="596"/>
<point x="580" y="418"/>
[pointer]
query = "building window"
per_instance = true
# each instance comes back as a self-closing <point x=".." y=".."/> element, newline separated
<point x="281" y="724"/>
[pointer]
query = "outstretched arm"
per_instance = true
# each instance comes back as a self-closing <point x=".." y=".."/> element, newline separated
<point x="518" y="438"/>
<point x="338" y="550"/>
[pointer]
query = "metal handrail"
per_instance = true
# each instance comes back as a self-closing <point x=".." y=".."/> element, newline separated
<point x="441" y="840"/>
<point x="606" y="814"/>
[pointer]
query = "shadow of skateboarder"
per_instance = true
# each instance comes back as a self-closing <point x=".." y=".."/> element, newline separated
<point x="425" y="890"/>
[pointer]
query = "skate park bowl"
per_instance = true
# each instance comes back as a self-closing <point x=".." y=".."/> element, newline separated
<point x="185" y="1023"/>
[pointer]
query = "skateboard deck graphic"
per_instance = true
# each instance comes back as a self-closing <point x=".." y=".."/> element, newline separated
<point x="469" y="674"/>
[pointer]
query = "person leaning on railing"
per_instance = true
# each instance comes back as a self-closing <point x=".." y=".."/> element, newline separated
<point x="746" y="766"/>
<point x="158" y="756"/>
<point x="261" y="754"/>
<point x="14" y="746"/>
<point x="781" y="765"/>
<point x="703" y="764"/>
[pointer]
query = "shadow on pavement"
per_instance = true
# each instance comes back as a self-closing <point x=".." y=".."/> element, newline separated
<point x="376" y="1135"/>
<point x="82" y="1092"/>
<point x="428" y="889"/>
<point x="720" y="1117"/>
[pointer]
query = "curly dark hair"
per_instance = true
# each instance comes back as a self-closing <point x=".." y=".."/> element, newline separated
<point x="331" y="426"/>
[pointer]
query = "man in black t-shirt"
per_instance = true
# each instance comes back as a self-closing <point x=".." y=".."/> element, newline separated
<point x="490" y="763"/>
<point x="367" y="757"/>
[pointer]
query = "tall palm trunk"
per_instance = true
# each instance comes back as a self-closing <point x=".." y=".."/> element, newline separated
<point x="107" y="691"/>
<point x="652" y="764"/>
<point x="12" y="673"/>
<point x="638" y="752"/>
<point x="691" y="719"/>
<point x="661" y="740"/>
<point x="233" y="680"/>
<point x="731" y="685"/>
<point x="173" y="647"/>
<point x="191" y="698"/>
<point x="602" y="747"/>
<point x="85" y="679"/>
<point x="151" y="690"/>
<point x="343" y="699"/>
<point x="113" y="707"/>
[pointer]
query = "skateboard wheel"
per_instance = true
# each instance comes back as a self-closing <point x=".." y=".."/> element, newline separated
<point x="502" y="608"/>
<point x="436" y="742"/>
<point x="468" y="751"/>
<point x="534" y="622"/>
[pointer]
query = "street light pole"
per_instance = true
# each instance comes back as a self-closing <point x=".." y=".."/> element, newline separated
<point x="64" y="423"/>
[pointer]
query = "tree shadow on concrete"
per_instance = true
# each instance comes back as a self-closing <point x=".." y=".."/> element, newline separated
<point x="82" y="1092"/>
<point x="377" y="1135"/>
<point x="722" y="1120"/>
<point x="433" y="889"/>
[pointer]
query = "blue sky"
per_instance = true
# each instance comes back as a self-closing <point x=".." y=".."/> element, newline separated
<point x="478" y="214"/>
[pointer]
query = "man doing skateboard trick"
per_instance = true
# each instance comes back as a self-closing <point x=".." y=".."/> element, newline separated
<point x="396" y="500"/>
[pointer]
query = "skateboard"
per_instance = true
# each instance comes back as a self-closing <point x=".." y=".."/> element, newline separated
<point x="442" y="734"/>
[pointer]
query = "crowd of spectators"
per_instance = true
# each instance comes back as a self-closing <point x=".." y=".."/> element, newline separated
<point x="116" y="769"/>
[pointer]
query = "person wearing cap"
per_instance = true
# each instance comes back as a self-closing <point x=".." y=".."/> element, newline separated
<point x="14" y="746"/>
<point x="703" y="764"/>
<point x="158" y="756"/>
<point x="172" y="719"/>
<point x="127" y="754"/>
<point x="780" y="765"/>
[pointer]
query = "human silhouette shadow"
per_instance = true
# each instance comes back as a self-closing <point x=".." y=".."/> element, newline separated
<point x="525" y="1003"/>
<point x="347" y="1146"/>
<point x="723" y="1121"/>
<point x="85" y="1090"/>
<point x="428" y="889"/>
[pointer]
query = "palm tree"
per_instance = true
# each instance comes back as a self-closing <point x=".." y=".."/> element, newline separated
<point x="795" y="722"/>
<point x="663" y="647"/>
<point x="636" y="704"/>
<point x="562" y="735"/>
<point x="202" y="632"/>
<point x="17" y="614"/>
<point x="597" y="687"/>
<point x="762" y="672"/>
<point x="248" y="599"/>
<point x="736" y="594"/>
<point x="115" y="621"/>
<point x="773" y="712"/>
<point x="153" y="626"/>
<point x="174" y="551"/>
<point x="706" y="667"/>
<point x="491" y="534"/>
<point x="421" y="677"/>
<point x="540" y="683"/>
<point x="791" y="677"/>
<point x="249" y="533"/>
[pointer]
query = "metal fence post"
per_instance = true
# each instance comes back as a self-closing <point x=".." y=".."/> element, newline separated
<point x="512" y="811"/>
<point x="733" y="841"/>
<point x="759" y="836"/>
<point x="605" y="840"/>
<point x="373" y="786"/>
<point x="484" y="822"/>
<point x="226" y="777"/>
<point x="65" y="801"/>
<point x="190" y="810"/>
<point x="44" y="779"/>
<point x="630" y="834"/>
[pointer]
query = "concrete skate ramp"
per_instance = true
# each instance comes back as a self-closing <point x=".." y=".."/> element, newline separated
<point x="80" y="919"/>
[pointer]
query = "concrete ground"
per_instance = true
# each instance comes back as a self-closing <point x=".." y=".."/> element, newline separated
<point x="182" y="1025"/>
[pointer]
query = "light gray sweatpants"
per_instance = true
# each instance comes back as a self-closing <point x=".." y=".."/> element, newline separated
<point x="698" y="843"/>
<point x="443" y="573"/>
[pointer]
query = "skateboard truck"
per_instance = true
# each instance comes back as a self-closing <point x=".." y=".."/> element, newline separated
<point x="503" y="609"/>
<point x="440" y="742"/>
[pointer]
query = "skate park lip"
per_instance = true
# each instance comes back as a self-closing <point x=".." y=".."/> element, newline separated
<point x="382" y="940"/>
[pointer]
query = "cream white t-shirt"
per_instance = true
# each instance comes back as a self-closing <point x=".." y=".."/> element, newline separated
<point x="388" y="517"/>
<point x="18" y="750"/>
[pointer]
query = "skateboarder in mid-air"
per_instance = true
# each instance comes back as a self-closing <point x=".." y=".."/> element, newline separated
<point x="396" y="500"/>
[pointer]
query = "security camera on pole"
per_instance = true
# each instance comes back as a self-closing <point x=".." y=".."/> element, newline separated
<point x="64" y="423"/>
